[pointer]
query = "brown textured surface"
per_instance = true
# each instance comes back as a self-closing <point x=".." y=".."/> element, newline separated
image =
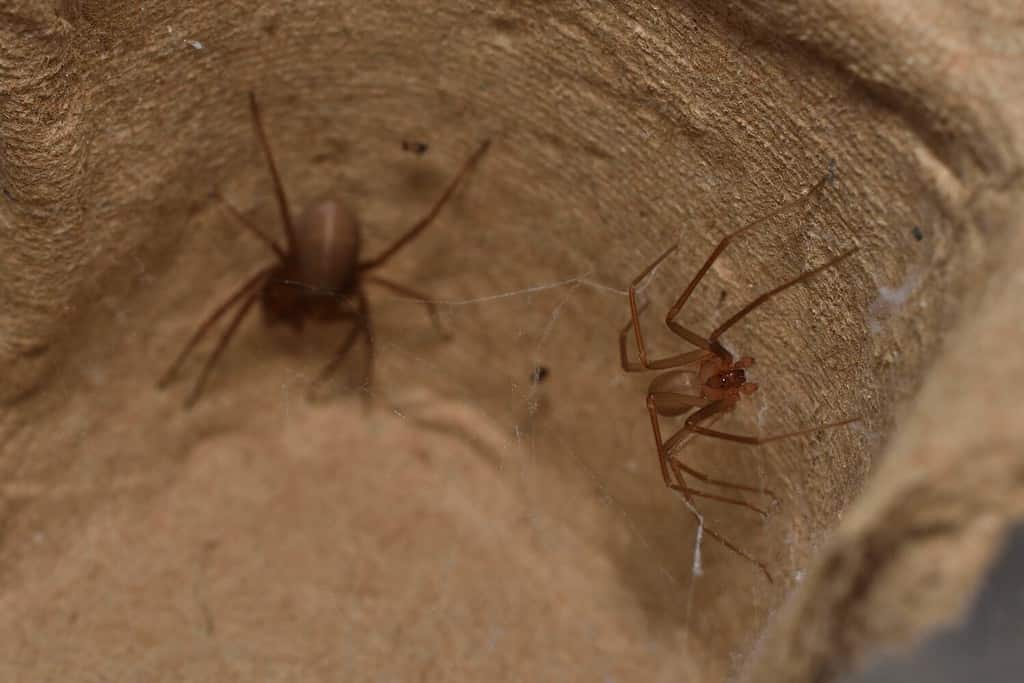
<point x="472" y="526"/>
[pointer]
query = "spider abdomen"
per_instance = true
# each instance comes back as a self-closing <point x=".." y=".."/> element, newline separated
<point x="326" y="250"/>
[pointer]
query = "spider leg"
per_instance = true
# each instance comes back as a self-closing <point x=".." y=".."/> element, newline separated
<point x="419" y="296"/>
<point x="676" y="441"/>
<point x="247" y="287"/>
<point x="710" y="411"/>
<point x="361" y="326"/>
<point x="282" y="200"/>
<point x="221" y="345"/>
<point x="767" y="295"/>
<point x="364" y="307"/>
<point x="422" y="224"/>
<point x="339" y="355"/>
<point x="653" y="410"/>
<point x="634" y="314"/>
<point x="688" y="494"/>
<point x="706" y="412"/>
<point x="644" y="363"/>
<point x="672" y="473"/>
<point x="686" y="490"/>
<point x="799" y="201"/>
<point x="237" y="216"/>
<point x="710" y="343"/>
<point x="719" y="482"/>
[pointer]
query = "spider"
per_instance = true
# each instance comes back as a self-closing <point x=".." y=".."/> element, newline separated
<point x="722" y="380"/>
<point x="321" y="257"/>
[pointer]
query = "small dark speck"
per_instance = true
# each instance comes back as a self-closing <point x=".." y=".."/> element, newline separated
<point x="505" y="24"/>
<point x="539" y="374"/>
<point x="417" y="148"/>
<point x="722" y="296"/>
<point x="597" y="151"/>
<point x="6" y="193"/>
<point x="916" y="232"/>
<point x="334" y="150"/>
<point x="832" y="171"/>
<point x="34" y="351"/>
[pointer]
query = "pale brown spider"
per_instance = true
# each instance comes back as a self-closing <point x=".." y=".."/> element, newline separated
<point x="722" y="381"/>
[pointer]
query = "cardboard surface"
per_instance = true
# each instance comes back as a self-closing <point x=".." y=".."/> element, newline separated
<point x="469" y="523"/>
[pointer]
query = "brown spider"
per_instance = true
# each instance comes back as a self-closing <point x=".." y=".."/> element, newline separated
<point x="722" y="380"/>
<point x="319" y="276"/>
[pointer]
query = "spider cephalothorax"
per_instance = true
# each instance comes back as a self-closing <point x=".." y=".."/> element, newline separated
<point x="724" y="380"/>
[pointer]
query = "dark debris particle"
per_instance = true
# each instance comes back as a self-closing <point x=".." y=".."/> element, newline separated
<point x="417" y="148"/>
<point x="539" y="374"/>
<point x="833" y="171"/>
<point x="916" y="232"/>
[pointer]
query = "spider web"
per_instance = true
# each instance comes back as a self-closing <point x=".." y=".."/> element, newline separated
<point x="667" y="540"/>
<point x="574" y="447"/>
